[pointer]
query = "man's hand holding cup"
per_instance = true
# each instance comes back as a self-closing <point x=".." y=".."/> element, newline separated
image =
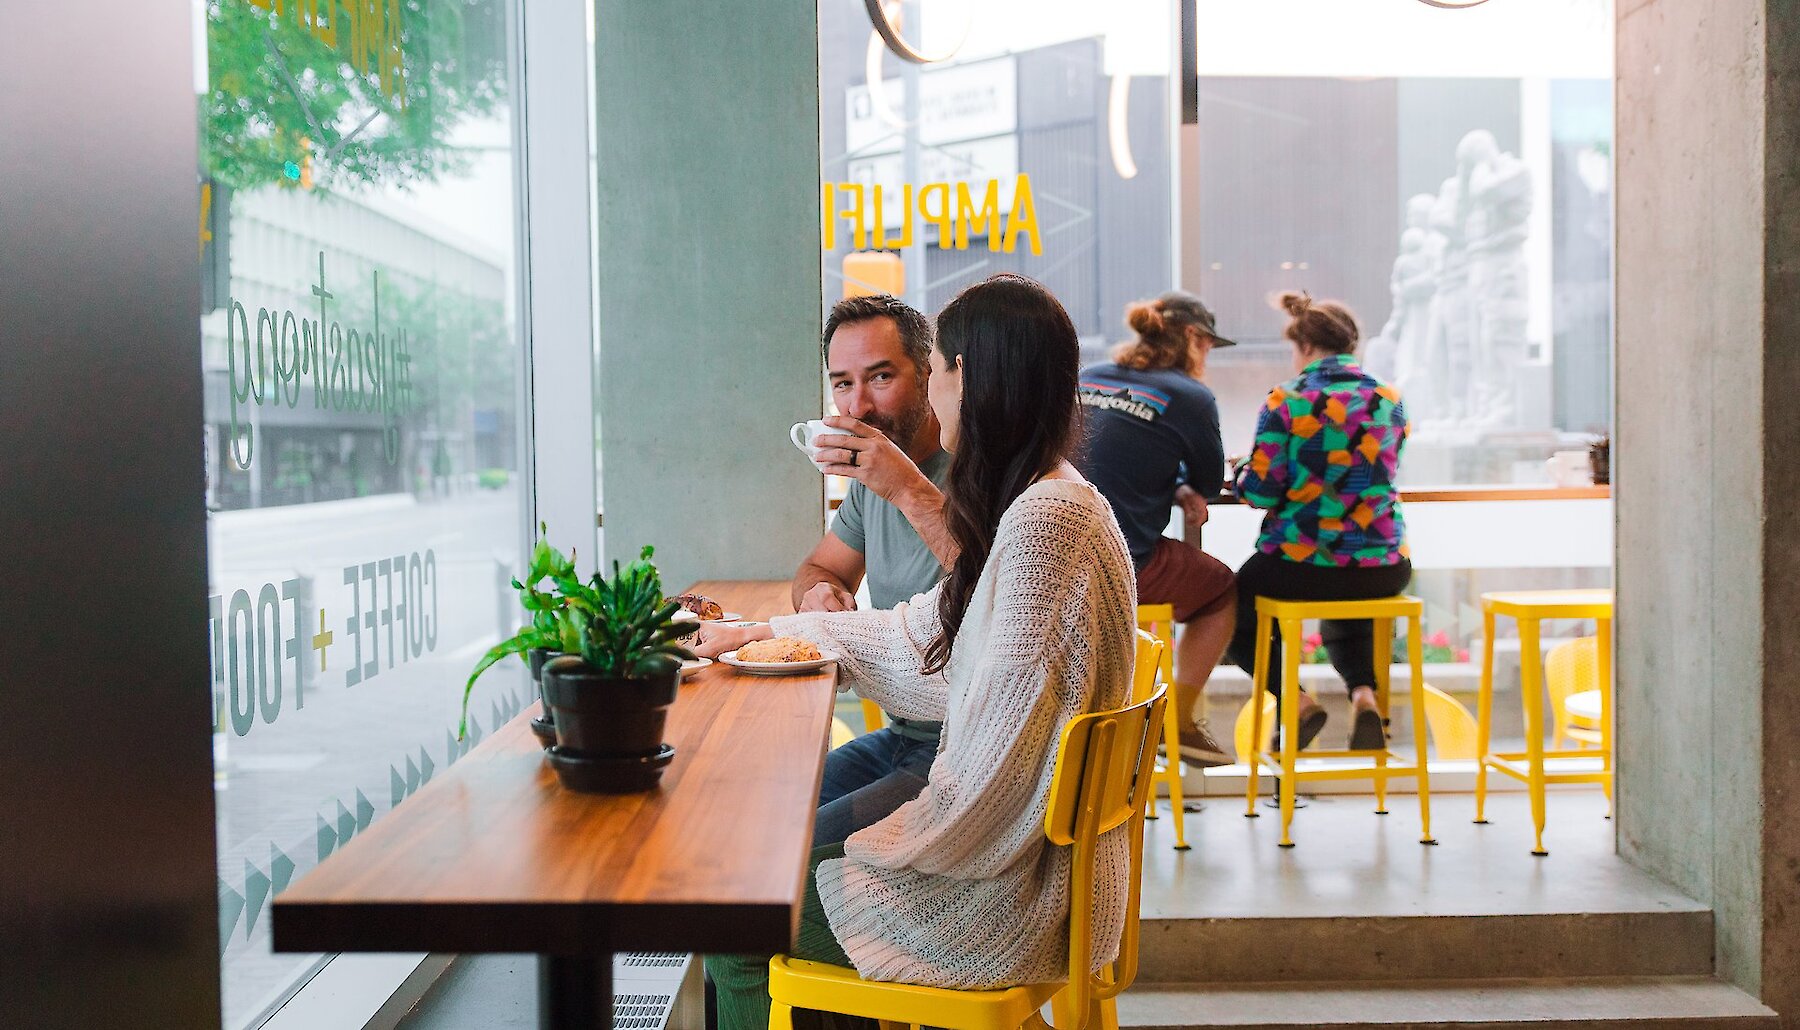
<point x="861" y="452"/>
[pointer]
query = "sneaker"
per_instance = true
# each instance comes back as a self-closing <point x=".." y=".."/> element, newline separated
<point x="1199" y="747"/>
<point x="1367" y="732"/>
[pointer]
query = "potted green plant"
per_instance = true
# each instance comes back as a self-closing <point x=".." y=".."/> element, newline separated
<point x="549" y="632"/>
<point x="609" y="696"/>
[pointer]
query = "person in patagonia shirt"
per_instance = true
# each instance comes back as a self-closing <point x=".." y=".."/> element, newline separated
<point x="1152" y="441"/>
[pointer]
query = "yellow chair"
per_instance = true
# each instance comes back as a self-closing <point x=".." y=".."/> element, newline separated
<point x="1289" y="615"/>
<point x="1453" y="729"/>
<point x="1101" y="779"/>
<point x="841" y="733"/>
<point x="1529" y="608"/>
<point x="1584" y="715"/>
<point x="1572" y="668"/>
<point x="873" y="716"/>
<point x="1159" y="621"/>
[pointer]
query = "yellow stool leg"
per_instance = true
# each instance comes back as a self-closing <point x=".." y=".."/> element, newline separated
<point x="1170" y="752"/>
<point x="1172" y="745"/>
<point x="1259" y="682"/>
<point x="781" y="1017"/>
<point x="1105" y="1015"/>
<point x="1531" y="685"/>
<point x="1384" y="660"/>
<point x="1290" y="722"/>
<point x="1415" y="653"/>
<point x="1603" y="663"/>
<point x="1484" y="715"/>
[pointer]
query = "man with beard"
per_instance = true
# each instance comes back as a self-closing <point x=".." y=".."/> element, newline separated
<point x="889" y="528"/>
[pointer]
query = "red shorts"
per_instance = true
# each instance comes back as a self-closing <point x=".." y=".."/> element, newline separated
<point x="1192" y="581"/>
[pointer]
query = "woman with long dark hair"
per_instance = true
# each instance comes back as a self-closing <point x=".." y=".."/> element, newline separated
<point x="1032" y="627"/>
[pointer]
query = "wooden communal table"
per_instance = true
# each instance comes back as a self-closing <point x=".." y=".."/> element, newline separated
<point x="493" y="855"/>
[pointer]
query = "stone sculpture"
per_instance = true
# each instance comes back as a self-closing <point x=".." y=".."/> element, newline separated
<point x="1456" y="338"/>
<point x="1447" y="338"/>
<point x="1404" y="359"/>
<point x="1496" y="211"/>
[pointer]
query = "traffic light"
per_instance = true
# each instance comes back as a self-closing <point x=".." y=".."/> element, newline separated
<point x="300" y="172"/>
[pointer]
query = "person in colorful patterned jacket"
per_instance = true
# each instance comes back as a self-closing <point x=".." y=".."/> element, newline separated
<point x="1326" y="455"/>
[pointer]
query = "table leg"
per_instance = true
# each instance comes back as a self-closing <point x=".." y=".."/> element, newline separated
<point x="575" y="992"/>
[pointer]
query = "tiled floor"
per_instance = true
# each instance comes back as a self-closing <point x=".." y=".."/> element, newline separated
<point x="1349" y="861"/>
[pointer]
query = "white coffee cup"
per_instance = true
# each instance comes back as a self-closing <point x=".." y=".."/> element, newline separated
<point x="804" y="433"/>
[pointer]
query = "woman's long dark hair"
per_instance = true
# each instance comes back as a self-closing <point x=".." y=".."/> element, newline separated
<point x="1020" y="362"/>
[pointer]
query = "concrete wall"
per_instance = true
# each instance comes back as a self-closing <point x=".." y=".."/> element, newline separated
<point x="709" y="282"/>
<point x="1781" y="517"/>
<point x="1709" y="642"/>
<point x="108" y="877"/>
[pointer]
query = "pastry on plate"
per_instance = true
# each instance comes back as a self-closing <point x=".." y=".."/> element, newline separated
<point x="779" y="649"/>
<point x="701" y="605"/>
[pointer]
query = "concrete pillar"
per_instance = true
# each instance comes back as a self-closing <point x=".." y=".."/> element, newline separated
<point x="709" y="282"/>
<point x="1707" y="475"/>
<point x="109" y="887"/>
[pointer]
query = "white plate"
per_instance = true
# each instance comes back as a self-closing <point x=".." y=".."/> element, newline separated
<point x="683" y="615"/>
<point x="690" y="667"/>
<point x="778" y="668"/>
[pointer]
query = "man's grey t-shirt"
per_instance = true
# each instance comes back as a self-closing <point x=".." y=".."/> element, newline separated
<point x="896" y="561"/>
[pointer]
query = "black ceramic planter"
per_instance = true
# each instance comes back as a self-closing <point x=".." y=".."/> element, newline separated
<point x="608" y="729"/>
<point x="541" y="726"/>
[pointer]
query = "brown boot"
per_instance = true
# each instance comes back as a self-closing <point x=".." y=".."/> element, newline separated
<point x="1199" y="747"/>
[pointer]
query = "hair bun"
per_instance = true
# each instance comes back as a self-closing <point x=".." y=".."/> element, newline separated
<point x="1295" y="303"/>
<point x="1145" y="319"/>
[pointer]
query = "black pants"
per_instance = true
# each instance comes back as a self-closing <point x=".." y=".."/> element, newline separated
<point x="1349" y="642"/>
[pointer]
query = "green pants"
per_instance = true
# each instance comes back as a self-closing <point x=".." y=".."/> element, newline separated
<point x="742" y="981"/>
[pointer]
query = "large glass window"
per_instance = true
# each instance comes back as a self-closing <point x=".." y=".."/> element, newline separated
<point x="1445" y="173"/>
<point x="1448" y="175"/>
<point x="1040" y="145"/>
<point x="363" y="415"/>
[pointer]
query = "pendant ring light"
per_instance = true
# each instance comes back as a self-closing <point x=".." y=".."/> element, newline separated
<point x="890" y="34"/>
<point x="1453" y="5"/>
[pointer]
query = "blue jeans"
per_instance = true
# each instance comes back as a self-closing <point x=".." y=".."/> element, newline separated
<point x="867" y="779"/>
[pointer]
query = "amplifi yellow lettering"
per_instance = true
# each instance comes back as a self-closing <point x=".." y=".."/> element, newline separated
<point x="366" y="34"/>
<point x="955" y="209"/>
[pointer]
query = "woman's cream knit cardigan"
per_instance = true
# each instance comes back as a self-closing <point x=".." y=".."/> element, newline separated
<point x="959" y="888"/>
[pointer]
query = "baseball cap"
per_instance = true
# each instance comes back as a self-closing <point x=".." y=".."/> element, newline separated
<point x="1188" y="308"/>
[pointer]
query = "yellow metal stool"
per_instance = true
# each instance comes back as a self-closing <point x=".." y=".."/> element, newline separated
<point x="1159" y="621"/>
<point x="1529" y="608"/>
<point x="1289" y="615"/>
<point x="1100" y="782"/>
